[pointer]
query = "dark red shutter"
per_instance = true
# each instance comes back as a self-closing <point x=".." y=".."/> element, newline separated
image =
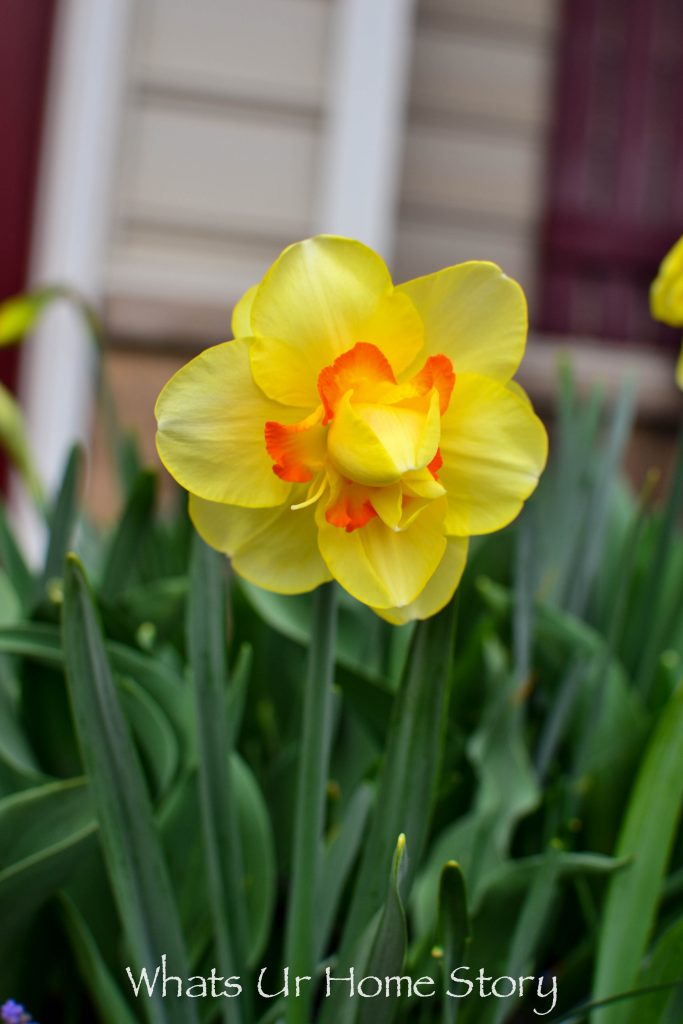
<point x="615" y="182"/>
<point x="24" y="53"/>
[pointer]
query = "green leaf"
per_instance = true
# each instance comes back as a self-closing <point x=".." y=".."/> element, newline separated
<point x="506" y="792"/>
<point x="14" y="439"/>
<point x="19" y="314"/>
<point x="664" y="967"/>
<point x="309" y="819"/>
<point x="96" y="976"/>
<point x="647" y="834"/>
<point x="537" y="910"/>
<point x="389" y="948"/>
<point x="63" y="519"/>
<point x="160" y="601"/>
<point x="44" y="833"/>
<point x="594" y="516"/>
<point x="651" y="592"/>
<point x="207" y="645"/>
<point x="455" y="932"/>
<point x="503" y="884"/>
<point x="579" y="1014"/>
<point x="130" y="843"/>
<point x="258" y="857"/>
<point x="507" y="786"/>
<point x="407" y="785"/>
<point x="130" y="533"/>
<point x="181" y="828"/>
<point x="10" y="605"/>
<point x="13" y="562"/>
<point x="367" y="694"/>
<point x="292" y="616"/>
<point x="517" y="876"/>
<point x="339" y="859"/>
<point x="153" y="732"/>
<point x="42" y="642"/>
<point x="368" y="700"/>
<point x="15" y="750"/>
<point x="237" y="693"/>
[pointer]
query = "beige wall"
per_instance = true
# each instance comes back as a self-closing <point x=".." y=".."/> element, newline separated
<point x="220" y="161"/>
<point x="221" y="149"/>
<point x="476" y="141"/>
<point x="219" y="157"/>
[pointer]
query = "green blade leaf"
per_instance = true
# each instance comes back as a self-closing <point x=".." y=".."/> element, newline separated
<point x="455" y="931"/>
<point x="536" y="912"/>
<point x="18" y="315"/>
<point x="647" y="835"/>
<point x="258" y="856"/>
<point x="663" y="968"/>
<point x="594" y="517"/>
<point x="208" y="659"/>
<point x="44" y="833"/>
<point x="339" y="859"/>
<point x="183" y="840"/>
<point x="389" y="948"/>
<point x="130" y="533"/>
<point x="407" y="784"/>
<point x="650" y="594"/>
<point x="14" y="439"/>
<point x="15" y="750"/>
<point x="153" y="731"/>
<point x="62" y="520"/>
<point x="367" y="695"/>
<point x="41" y="642"/>
<point x="406" y="789"/>
<point x="313" y="768"/>
<point x="237" y="694"/>
<point x="14" y="564"/>
<point x="130" y="843"/>
<point x="106" y="995"/>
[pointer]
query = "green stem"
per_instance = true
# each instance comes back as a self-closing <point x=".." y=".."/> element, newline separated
<point x="310" y="805"/>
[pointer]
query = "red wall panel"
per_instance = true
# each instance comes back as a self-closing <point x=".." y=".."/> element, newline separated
<point x="25" y="33"/>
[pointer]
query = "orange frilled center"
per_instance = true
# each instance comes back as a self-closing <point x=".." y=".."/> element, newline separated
<point x="373" y="444"/>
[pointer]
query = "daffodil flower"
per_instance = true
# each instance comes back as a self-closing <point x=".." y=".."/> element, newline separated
<point x="356" y="430"/>
<point x="666" y="296"/>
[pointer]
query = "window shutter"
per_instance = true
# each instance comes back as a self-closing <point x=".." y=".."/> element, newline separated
<point x="615" y="183"/>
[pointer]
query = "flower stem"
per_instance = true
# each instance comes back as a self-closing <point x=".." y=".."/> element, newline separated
<point x="310" y="805"/>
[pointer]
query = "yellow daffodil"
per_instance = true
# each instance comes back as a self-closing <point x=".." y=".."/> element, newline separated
<point x="355" y="430"/>
<point x="666" y="296"/>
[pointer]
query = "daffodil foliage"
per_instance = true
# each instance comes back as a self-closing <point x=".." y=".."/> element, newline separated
<point x="356" y="430"/>
<point x="507" y="804"/>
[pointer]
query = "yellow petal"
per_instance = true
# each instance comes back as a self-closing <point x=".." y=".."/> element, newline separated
<point x="382" y="567"/>
<point x="494" y="448"/>
<point x="473" y="314"/>
<point x="422" y="484"/>
<point x="276" y="549"/>
<point x="241" y="314"/>
<point x="211" y="419"/>
<point x="376" y="444"/>
<point x="318" y="300"/>
<point x="666" y="291"/>
<point x="388" y="504"/>
<point x="440" y="587"/>
<point x="518" y="390"/>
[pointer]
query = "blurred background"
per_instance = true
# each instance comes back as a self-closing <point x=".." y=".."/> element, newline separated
<point x="158" y="154"/>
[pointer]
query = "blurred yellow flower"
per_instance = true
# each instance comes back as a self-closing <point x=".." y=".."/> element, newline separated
<point x="355" y="430"/>
<point x="666" y="296"/>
